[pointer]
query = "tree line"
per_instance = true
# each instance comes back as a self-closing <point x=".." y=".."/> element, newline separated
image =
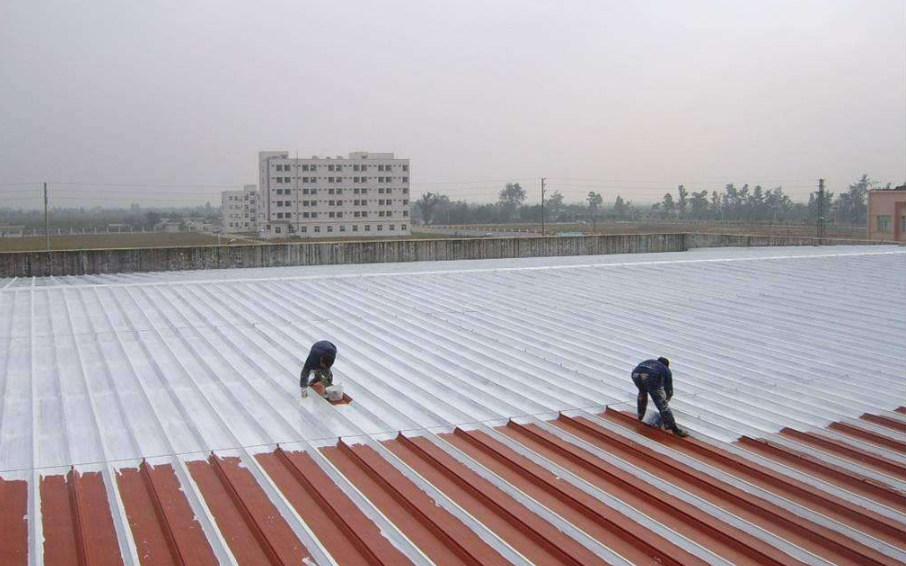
<point x="82" y="218"/>
<point x="745" y="204"/>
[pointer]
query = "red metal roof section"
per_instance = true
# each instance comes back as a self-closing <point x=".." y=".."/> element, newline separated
<point x="78" y="527"/>
<point x="162" y="522"/>
<point x="349" y="536"/>
<point x="13" y="522"/>
<point x="253" y="528"/>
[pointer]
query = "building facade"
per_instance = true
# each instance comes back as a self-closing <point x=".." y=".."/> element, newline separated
<point x="362" y="195"/>
<point x="239" y="210"/>
<point x="887" y="214"/>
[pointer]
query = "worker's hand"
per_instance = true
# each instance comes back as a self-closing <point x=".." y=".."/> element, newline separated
<point x="305" y="392"/>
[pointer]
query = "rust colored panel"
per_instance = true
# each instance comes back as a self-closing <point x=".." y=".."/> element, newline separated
<point x="842" y="477"/>
<point x="59" y="532"/>
<point x="93" y="519"/>
<point x="847" y="451"/>
<point x="839" y="509"/>
<point x="888" y="422"/>
<point x="78" y="526"/>
<point x="901" y="410"/>
<point x="757" y="511"/>
<point x="13" y="522"/>
<point x="729" y="542"/>
<point x="532" y="536"/>
<point x="344" y="401"/>
<point x="251" y="525"/>
<point x="349" y="536"/>
<point x="163" y="524"/>
<point x="869" y="436"/>
<point x="610" y="527"/>
<point x="440" y="535"/>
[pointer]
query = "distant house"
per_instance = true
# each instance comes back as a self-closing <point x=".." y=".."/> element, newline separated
<point x="167" y="225"/>
<point x="11" y="231"/>
<point x="887" y="214"/>
<point x="198" y="225"/>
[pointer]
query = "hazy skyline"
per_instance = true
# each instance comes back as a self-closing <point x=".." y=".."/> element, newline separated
<point x="652" y="94"/>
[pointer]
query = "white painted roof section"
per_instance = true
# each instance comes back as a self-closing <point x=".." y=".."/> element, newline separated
<point x="116" y="368"/>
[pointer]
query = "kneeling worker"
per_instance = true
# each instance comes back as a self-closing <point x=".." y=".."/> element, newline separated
<point x="653" y="377"/>
<point x="320" y="359"/>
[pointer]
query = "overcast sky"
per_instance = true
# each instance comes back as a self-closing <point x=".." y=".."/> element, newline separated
<point x="614" y="96"/>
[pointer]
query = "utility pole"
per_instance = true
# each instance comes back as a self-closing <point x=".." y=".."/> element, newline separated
<point x="820" y="208"/>
<point x="542" y="205"/>
<point x="46" y="219"/>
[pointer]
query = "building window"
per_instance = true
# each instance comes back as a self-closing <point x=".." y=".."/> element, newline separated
<point x="314" y="214"/>
<point x="364" y="214"/>
<point x="339" y="203"/>
<point x="279" y="179"/>
<point x="330" y="167"/>
<point x="330" y="191"/>
<point x="306" y="215"/>
<point x="332" y="215"/>
<point x="330" y="179"/>
<point x="405" y="168"/>
<point x="355" y="179"/>
<point x="314" y="191"/>
<point x="289" y="215"/>
<point x="381" y="214"/>
<point x="380" y="227"/>
<point x="317" y="229"/>
<point x="405" y="213"/>
<point x="402" y="226"/>
<point x="405" y="191"/>
<point x="380" y="191"/>
<point x="339" y="215"/>
<point x="392" y="227"/>
<point x="303" y="229"/>
<point x="355" y="228"/>
<point x="367" y="228"/>
<point x="342" y="228"/>
<point x="330" y="228"/>
<point x="903" y="224"/>
<point x="884" y="223"/>
<point x="405" y="201"/>
<point x="279" y="216"/>
<point x="357" y="214"/>
<point x="364" y="191"/>
<point x="339" y="191"/>
<point x="277" y="230"/>
<point x="405" y="179"/>
<point x="331" y="203"/>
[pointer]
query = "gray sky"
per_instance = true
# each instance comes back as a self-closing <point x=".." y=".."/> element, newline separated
<point x="650" y="94"/>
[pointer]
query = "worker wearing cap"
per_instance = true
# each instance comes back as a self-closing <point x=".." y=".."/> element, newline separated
<point x="320" y="360"/>
<point x="654" y="378"/>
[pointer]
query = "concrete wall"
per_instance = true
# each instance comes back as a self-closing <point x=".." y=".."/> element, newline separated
<point x="79" y="262"/>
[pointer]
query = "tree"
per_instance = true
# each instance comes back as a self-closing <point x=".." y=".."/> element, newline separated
<point x="852" y="206"/>
<point x="555" y="204"/>
<point x="814" y="204"/>
<point x="510" y="199"/>
<point x="683" y="201"/>
<point x="699" y="205"/>
<point x="431" y="206"/>
<point x="667" y="205"/>
<point x="152" y="219"/>
<point x="620" y="208"/>
<point x="595" y="201"/>
<point x="716" y="208"/>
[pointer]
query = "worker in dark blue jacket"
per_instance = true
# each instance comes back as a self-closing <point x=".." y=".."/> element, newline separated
<point x="320" y="360"/>
<point x="654" y="378"/>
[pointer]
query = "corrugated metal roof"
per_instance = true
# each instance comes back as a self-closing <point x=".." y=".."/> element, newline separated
<point x="154" y="419"/>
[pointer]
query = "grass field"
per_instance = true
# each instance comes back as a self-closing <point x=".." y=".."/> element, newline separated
<point x="668" y="227"/>
<point x="163" y="240"/>
<point x="166" y="240"/>
<point x="97" y="241"/>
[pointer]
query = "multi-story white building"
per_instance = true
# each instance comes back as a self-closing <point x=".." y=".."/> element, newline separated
<point x="363" y="195"/>
<point x="239" y="210"/>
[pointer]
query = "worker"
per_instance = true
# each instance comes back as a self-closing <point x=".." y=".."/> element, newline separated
<point x="653" y="377"/>
<point x="320" y="360"/>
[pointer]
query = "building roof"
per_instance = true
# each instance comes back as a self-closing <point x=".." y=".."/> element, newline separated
<point x="155" y="418"/>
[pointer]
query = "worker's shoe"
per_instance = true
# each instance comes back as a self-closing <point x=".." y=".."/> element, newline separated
<point x="680" y="432"/>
